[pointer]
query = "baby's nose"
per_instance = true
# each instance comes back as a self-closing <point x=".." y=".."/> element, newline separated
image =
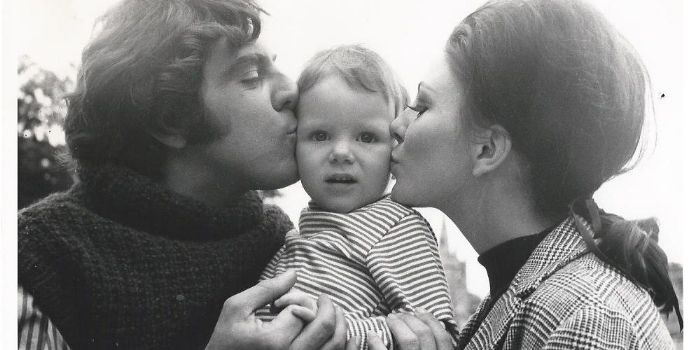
<point x="342" y="152"/>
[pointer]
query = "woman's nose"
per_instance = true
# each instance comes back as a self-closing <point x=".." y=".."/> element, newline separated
<point x="341" y="153"/>
<point x="285" y="93"/>
<point x="398" y="127"/>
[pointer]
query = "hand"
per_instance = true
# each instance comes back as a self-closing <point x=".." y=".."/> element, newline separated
<point x="373" y="343"/>
<point x="237" y="327"/>
<point x="327" y="331"/>
<point x="419" y="331"/>
<point x="297" y="297"/>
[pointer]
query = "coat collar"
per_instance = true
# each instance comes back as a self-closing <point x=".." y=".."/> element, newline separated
<point x="560" y="247"/>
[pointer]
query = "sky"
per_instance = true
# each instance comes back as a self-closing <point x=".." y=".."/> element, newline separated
<point x="409" y="35"/>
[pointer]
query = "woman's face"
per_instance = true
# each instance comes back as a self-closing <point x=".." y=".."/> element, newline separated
<point x="431" y="161"/>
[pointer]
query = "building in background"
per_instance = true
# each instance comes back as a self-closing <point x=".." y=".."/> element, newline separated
<point x="463" y="301"/>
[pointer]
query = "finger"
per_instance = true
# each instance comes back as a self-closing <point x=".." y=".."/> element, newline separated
<point x="425" y="335"/>
<point x="255" y="297"/>
<point x="296" y="297"/>
<point x="302" y="312"/>
<point x="284" y="328"/>
<point x="374" y="342"/>
<point x="443" y="339"/>
<point x="353" y="344"/>
<point x="337" y="341"/>
<point x="316" y="333"/>
<point x="404" y="336"/>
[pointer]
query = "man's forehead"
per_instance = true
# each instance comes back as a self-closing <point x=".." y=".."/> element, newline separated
<point x="254" y="48"/>
<point x="225" y="59"/>
<point x="225" y="51"/>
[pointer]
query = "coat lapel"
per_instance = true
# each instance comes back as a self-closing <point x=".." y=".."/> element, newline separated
<point x="491" y="332"/>
<point x="560" y="247"/>
<point x="473" y="323"/>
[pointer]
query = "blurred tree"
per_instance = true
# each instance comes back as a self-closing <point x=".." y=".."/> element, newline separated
<point x="270" y="194"/>
<point x="40" y="112"/>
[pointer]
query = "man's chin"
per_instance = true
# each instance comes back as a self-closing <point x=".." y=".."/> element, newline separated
<point x="279" y="181"/>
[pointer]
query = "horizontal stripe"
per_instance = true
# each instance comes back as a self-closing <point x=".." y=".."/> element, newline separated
<point x="379" y="258"/>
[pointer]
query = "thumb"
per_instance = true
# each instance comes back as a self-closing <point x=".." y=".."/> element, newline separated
<point x="263" y="293"/>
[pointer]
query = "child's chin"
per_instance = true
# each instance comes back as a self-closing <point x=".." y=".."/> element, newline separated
<point x="341" y="208"/>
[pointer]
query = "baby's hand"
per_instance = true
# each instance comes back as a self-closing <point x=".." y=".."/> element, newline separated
<point x="302" y="305"/>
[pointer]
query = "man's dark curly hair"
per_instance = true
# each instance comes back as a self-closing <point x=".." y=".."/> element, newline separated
<point x="142" y="72"/>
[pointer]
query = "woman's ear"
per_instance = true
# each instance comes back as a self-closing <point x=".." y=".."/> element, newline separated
<point x="492" y="149"/>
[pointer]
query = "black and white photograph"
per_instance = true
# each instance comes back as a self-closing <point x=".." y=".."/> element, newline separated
<point x="367" y="174"/>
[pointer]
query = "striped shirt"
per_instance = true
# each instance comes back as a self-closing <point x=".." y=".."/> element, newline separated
<point x="35" y="330"/>
<point x="372" y="261"/>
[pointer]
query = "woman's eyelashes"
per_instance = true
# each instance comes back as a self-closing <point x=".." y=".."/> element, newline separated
<point x="420" y="104"/>
<point x="419" y="109"/>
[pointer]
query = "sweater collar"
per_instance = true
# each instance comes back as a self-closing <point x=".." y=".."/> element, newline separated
<point x="314" y="219"/>
<point x="123" y="195"/>
<point x="503" y="261"/>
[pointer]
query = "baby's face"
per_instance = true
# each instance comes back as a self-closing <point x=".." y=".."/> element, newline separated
<point x="343" y="145"/>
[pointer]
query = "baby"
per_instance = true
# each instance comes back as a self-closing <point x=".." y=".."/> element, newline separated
<point x="370" y="255"/>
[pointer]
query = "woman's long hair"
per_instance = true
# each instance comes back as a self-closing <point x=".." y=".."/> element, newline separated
<point x="571" y="92"/>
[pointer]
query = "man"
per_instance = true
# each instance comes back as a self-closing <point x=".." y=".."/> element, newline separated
<point x="178" y="115"/>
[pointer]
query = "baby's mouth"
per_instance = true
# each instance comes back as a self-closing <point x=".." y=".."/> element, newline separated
<point x="340" y="179"/>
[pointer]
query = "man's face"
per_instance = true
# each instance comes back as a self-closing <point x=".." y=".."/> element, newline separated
<point x="253" y="102"/>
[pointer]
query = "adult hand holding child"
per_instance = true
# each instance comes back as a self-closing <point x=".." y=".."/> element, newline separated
<point x="411" y="332"/>
<point x="237" y="327"/>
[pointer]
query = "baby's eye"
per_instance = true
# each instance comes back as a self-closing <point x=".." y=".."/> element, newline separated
<point x="367" y="137"/>
<point x="418" y="109"/>
<point x="319" y="136"/>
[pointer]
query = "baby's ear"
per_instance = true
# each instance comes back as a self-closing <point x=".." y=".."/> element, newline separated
<point x="491" y="149"/>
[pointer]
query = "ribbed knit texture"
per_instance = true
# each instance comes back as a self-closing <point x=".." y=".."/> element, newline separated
<point x="372" y="261"/>
<point x="119" y="261"/>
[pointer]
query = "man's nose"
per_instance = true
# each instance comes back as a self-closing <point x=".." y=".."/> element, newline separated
<point x="341" y="152"/>
<point x="285" y="94"/>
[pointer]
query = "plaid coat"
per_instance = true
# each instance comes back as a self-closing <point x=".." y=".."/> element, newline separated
<point x="564" y="297"/>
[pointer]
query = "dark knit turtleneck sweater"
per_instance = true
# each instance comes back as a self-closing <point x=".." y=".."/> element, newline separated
<point x="119" y="261"/>
<point x="503" y="261"/>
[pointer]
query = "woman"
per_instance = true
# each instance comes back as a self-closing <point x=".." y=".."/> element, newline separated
<point x="534" y="106"/>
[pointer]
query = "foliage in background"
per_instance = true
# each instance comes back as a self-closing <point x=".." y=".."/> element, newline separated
<point x="270" y="194"/>
<point x="40" y="112"/>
